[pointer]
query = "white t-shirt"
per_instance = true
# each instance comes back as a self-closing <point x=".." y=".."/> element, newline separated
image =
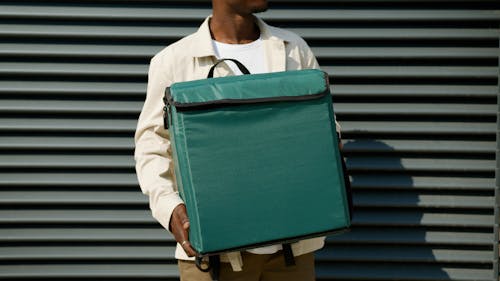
<point x="252" y="56"/>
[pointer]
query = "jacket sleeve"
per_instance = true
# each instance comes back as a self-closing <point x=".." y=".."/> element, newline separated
<point x="309" y="61"/>
<point x="152" y="149"/>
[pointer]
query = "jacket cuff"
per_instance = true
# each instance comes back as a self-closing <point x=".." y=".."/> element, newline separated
<point x="165" y="207"/>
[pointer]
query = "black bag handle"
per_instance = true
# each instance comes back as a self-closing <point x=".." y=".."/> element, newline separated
<point x="240" y="66"/>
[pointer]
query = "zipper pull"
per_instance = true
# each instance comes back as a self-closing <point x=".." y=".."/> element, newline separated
<point x="166" y="120"/>
<point x="166" y="109"/>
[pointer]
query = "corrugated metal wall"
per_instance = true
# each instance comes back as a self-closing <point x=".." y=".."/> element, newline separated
<point x="415" y="85"/>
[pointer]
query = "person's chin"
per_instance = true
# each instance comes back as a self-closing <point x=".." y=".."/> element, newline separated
<point x="260" y="8"/>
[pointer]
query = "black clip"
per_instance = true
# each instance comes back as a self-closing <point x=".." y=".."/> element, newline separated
<point x="212" y="266"/>
<point x="198" y="262"/>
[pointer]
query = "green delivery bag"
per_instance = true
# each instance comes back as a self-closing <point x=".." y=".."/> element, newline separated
<point x="256" y="159"/>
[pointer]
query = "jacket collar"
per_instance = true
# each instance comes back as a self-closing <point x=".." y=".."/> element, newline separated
<point x="274" y="44"/>
<point x="202" y="43"/>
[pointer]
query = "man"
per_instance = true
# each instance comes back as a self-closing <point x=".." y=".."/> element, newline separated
<point x="231" y="32"/>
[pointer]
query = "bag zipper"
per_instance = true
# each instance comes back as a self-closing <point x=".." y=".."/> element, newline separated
<point x="232" y="102"/>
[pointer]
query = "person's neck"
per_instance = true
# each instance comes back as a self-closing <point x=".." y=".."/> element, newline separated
<point x="233" y="29"/>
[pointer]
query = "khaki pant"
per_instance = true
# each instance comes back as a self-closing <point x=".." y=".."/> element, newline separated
<point x="256" y="268"/>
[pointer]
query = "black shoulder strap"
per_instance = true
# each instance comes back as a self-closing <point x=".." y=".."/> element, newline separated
<point x="240" y="66"/>
<point x="288" y="254"/>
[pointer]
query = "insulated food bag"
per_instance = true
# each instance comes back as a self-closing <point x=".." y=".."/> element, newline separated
<point x="256" y="159"/>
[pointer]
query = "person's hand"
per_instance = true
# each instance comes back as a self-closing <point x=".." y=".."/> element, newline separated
<point x="179" y="226"/>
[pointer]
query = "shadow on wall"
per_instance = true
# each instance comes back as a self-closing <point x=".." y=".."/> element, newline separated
<point x="386" y="239"/>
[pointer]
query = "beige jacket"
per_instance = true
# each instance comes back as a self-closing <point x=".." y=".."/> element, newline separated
<point x="189" y="59"/>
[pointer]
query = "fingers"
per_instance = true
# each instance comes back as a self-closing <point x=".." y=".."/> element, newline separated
<point x="179" y="225"/>
<point x="188" y="248"/>
<point x="185" y="223"/>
